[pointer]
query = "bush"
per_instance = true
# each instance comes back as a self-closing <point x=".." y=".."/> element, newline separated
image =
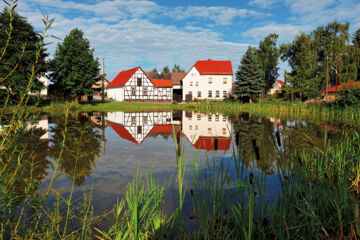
<point x="349" y="96"/>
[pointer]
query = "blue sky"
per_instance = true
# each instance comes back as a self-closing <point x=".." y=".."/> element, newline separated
<point x="129" y="33"/>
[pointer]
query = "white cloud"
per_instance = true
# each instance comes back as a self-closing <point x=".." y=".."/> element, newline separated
<point x="286" y="32"/>
<point x="220" y="15"/>
<point x="263" y="3"/>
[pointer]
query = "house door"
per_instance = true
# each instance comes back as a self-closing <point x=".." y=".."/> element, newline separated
<point x="188" y="97"/>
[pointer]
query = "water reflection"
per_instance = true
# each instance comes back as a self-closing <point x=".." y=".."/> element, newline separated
<point x="79" y="143"/>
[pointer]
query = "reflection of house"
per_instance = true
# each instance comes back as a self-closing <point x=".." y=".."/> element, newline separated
<point x="136" y="126"/>
<point x="276" y="87"/>
<point x="135" y="85"/>
<point x="208" y="80"/>
<point x="207" y="132"/>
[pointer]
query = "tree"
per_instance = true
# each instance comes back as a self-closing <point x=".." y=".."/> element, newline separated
<point x="249" y="77"/>
<point x="302" y="58"/>
<point x="166" y="69"/>
<point x="74" y="68"/>
<point x="20" y="54"/>
<point x="356" y="38"/>
<point x="177" y="68"/>
<point x="154" y="70"/>
<point x="268" y="54"/>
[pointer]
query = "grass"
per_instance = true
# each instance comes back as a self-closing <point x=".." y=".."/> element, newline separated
<point x="274" y="108"/>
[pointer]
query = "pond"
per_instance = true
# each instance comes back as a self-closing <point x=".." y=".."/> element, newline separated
<point x="104" y="151"/>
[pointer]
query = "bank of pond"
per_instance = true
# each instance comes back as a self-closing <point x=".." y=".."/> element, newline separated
<point x="175" y="174"/>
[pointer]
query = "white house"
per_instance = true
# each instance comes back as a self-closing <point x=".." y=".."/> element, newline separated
<point x="207" y="131"/>
<point x="276" y="87"/>
<point x="208" y="79"/>
<point x="135" y="85"/>
<point x="136" y="126"/>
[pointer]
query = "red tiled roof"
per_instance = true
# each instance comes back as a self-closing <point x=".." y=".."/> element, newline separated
<point x="161" y="128"/>
<point x="122" y="132"/>
<point x="342" y="86"/>
<point x="161" y="82"/>
<point x="213" y="143"/>
<point x="214" y="67"/>
<point x="122" y="78"/>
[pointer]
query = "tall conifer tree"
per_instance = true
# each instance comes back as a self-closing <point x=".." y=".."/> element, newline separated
<point x="74" y="68"/>
<point x="249" y="77"/>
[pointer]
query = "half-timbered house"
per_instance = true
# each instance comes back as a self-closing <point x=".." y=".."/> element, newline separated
<point x="137" y="126"/>
<point x="135" y="85"/>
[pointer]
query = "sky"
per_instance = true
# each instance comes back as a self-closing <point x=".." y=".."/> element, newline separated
<point x="149" y="33"/>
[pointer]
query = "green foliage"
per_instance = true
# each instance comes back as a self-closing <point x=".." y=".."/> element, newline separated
<point x="302" y="59"/>
<point x="74" y="68"/>
<point x="348" y="97"/>
<point x="166" y="69"/>
<point x="20" y="55"/>
<point x="268" y="54"/>
<point x="308" y="55"/>
<point x="249" y="77"/>
<point x="154" y="70"/>
<point x="177" y="68"/>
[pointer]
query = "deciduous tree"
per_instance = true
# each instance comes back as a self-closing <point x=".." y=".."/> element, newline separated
<point x="20" y="55"/>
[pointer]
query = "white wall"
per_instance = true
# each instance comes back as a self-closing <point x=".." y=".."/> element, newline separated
<point x="205" y="125"/>
<point x="116" y="93"/>
<point x="200" y="83"/>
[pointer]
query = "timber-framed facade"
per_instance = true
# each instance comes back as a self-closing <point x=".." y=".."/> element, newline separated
<point x="134" y="85"/>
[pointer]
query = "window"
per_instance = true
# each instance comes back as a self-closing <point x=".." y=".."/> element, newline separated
<point x="210" y="80"/>
<point x="190" y="83"/>
<point x="139" y="130"/>
<point x="133" y="121"/>
<point x="197" y="83"/>
<point x="196" y="127"/>
<point x="209" y="118"/>
<point x="224" y="118"/>
<point x="139" y="81"/>
<point x="145" y="92"/>
<point x="224" y="131"/>
<point x="209" y="130"/>
<point x="224" y="93"/>
<point x="210" y="93"/>
<point x="199" y="117"/>
<point x="225" y="80"/>
<point x="133" y="91"/>
<point x="145" y="120"/>
<point x="199" y="94"/>
<point x="190" y="127"/>
<point x="193" y="74"/>
<point x="217" y="118"/>
<point x="217" y="93"/>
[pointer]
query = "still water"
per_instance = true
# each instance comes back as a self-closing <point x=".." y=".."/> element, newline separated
<point x="104" y="151"/>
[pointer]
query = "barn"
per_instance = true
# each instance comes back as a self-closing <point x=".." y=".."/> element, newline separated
<point x="134" y="85"/>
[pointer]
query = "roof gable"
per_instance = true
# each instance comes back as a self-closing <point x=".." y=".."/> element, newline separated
<point x="122" y="77"/>
<point x="210" y="67"/>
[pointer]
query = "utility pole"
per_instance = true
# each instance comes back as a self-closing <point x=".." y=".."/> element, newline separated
<point x="102" y="81"/>
<point x="337" y="73"/>
<point x="327" y="77"/>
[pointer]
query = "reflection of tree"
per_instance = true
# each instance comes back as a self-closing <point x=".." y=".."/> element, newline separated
<point x="22" y="166"/>
<point x="82" y="145"/>
<point x="255" y="141"/>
